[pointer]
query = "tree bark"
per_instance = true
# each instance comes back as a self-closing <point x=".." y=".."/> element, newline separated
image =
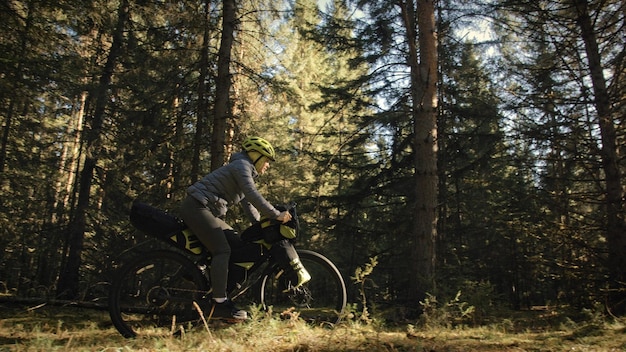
<point x="15" y="88"/>
<point x="615" y="227"/>
<point x="423" y="71"/>
<point x="222" y="85"/>
<point x="68" y="284"/>
<point x="202" y="119"/>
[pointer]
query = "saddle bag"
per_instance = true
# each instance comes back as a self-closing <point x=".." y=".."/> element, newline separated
<point x="154" y="221"/>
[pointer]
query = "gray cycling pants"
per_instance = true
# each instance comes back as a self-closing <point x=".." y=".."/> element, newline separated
<point x="210" y="231"/>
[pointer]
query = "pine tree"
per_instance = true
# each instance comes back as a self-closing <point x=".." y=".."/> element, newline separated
<point x="68" y="285"/>
<point x="549" y="104"/>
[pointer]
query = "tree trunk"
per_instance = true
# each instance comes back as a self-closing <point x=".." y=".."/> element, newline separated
<point x="615" y="230"/>
<point x="15" y="86"/>
<point x="222" y="85"/>
<point x="68" y="285"/>
<point x="68" y="162"/>
<point x="6" y="129"/>
<point x="199" y="138"/>
<point x="423" y="65"/>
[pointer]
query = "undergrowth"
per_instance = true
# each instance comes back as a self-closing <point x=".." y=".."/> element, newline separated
<point x="452" y="324"/>
<point x="76" y="329"/>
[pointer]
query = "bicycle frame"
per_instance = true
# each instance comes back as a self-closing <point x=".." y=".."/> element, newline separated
<point x="174" y="232"/>
<point x="158" y="287"/>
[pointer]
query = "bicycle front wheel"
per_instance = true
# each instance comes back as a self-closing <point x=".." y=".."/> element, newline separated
<point x="322" y="299"/>
<point x="155" y="294"/>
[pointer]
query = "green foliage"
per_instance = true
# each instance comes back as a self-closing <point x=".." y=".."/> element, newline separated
<point x="360" y="278"/>
<point x="452" y="313"/>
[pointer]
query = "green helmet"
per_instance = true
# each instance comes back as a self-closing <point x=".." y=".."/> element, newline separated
<point x="260" y="145"/>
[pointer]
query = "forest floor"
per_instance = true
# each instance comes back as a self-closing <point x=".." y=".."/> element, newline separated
<point x="48" y="328"/>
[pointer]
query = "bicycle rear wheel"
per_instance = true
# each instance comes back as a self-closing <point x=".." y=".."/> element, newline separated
<point x="322" y="299"/>
<point x="154" y="294"/>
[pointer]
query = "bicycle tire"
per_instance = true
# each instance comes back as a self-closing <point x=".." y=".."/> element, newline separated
<point x="154" y="294"/>
<point x="321" y="300"/>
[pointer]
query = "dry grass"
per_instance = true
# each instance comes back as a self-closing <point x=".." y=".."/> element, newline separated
<point x="75" y="329"/>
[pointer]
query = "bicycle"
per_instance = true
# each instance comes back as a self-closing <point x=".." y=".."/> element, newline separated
<point x="159" y="290"/>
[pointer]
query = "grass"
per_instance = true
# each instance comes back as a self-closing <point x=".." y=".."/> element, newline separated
<point x="79" y="329"/>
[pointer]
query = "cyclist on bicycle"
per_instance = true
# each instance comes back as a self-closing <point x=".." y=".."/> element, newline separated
<point x="207" y="202"/>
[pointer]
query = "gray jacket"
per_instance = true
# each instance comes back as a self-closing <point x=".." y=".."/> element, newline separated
<point x="231" y="184"/>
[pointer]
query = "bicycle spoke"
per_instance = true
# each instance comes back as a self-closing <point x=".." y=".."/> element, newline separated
<point x="157" y="291"/>
<point x="323" y="298"/>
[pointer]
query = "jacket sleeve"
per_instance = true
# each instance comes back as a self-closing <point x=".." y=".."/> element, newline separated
<point x="250" y="211"/>
<point x="245" y="181"/>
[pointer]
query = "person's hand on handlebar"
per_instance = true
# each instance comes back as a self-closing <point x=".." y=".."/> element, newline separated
<point x="284" y="217"/>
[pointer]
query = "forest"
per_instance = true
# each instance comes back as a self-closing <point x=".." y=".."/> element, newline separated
<point x="458" y="151"/>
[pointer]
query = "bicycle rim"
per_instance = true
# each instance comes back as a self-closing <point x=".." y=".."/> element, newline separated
<point x="155" y="294"/>
<point x="322" y="299"/>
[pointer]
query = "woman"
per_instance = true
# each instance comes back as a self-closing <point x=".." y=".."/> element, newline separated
<point x="208" y="200"/>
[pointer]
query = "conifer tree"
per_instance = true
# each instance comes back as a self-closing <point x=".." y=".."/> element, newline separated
<point x="69" y="277"/>
<point x="564" y="112"/>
